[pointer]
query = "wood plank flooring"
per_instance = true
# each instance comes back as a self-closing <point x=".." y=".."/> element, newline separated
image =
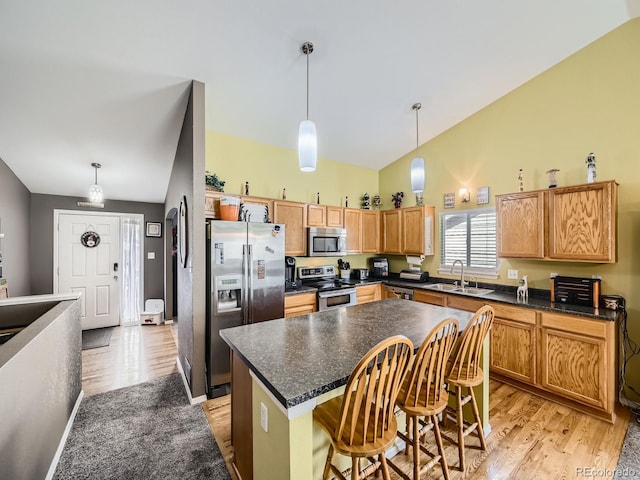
<point x="531" y="437"/>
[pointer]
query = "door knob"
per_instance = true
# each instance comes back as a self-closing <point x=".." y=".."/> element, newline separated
<point x="115" y="277"/>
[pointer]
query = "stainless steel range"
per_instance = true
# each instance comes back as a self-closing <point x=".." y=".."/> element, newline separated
<point x="332" y="292"/>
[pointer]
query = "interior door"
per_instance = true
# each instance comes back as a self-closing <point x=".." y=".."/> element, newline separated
<point x="90" y="270"/>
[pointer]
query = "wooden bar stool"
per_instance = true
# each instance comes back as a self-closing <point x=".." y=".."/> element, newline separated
<point x="423" y="394"/>
<point x="361" y="423"/>
<point x="465" y="372"/>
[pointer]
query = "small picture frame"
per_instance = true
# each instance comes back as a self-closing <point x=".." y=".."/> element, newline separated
<point x="154" y="229"/>
<point x="449" y="200"/>
<point x="483" y="196"/>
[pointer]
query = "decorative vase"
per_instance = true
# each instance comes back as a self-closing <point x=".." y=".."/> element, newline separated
<point x="553" y="181"/>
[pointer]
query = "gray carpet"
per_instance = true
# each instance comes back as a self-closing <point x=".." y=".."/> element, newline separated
<point x="99" y="337"/>
<point x="145" y="431"/>
<point x="629" y="461"/>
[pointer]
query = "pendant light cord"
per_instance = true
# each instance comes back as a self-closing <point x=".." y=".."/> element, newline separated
<point x="417" y="130"/>
<point x="307" y="55"/>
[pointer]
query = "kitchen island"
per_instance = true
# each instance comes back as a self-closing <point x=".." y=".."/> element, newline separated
<point x="283" y="368"/>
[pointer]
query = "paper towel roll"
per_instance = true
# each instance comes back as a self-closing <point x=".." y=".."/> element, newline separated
<point x="415" y="260"/>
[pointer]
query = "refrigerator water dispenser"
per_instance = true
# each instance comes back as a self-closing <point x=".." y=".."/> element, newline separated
<point x="228" y="293"/>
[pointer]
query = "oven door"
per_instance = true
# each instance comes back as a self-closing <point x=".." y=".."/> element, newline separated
<point x="343" y="297"/>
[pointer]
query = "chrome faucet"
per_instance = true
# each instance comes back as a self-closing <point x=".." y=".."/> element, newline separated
<point x="462" y="282"/>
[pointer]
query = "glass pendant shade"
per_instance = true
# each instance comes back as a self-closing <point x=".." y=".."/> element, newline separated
<point x="307" y="146"/>
<point x="417" y="175"/>
<point x="96" y="195"/>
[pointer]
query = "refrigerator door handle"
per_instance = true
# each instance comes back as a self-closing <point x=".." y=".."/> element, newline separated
<point x="250" y="283"/>
<point x="245" y="286"/>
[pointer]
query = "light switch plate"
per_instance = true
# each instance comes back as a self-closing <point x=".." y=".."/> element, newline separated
<point x="512" y="274"/>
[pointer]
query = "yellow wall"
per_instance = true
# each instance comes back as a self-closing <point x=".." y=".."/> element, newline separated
<point x="269" y="169"/>
<point x="590" y="102"/>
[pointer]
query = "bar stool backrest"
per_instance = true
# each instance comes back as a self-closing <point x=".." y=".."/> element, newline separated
<point x="371" y="392"/>
<point x="466" y="360"/>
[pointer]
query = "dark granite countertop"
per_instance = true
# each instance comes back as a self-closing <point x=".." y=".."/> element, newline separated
<point x="300" y="358"/>
<point x="300" y="289"/>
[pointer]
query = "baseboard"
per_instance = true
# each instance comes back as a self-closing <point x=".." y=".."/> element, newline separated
<point x="168" y="322"/>
<point x="63" y="440"/>
<point x="624" y="401"/>
<point x="192" y="401"/>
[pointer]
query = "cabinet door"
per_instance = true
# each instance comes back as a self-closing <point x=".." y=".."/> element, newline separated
<point x="369" y="293"/>
<point x="316" y="216"/>
<point x="300" y="304"/>
<point x="513" y="349"/>
<point x="334" y="217"/>
<point x="433" y="298"/>
<point x="353" y="225"/>
<point x="413" y="230"/>
<point x="265" y="202"/>
<point x="582" y="223"/>
<point x="392" y="228"/>
<point x="520" y="225"/>
<point x="387" y="292"/>
<point x="294" y="216"/>
<point x="578" y="358"/>
<point x="370" y="231"/>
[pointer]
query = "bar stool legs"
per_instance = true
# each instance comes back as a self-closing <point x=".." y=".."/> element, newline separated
<point x="463" y="430"/>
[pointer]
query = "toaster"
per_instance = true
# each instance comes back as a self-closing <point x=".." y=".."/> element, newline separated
<point x="360" y="273"/>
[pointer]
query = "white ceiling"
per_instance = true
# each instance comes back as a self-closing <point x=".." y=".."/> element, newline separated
<point x="88" y="81"/>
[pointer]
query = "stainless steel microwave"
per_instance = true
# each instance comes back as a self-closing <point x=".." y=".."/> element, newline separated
<point x="326" y="242"/>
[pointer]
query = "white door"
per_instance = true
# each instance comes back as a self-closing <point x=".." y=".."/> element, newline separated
<point x="92" y="271"/>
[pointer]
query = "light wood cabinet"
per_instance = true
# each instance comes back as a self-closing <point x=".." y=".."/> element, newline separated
<point x="353" y="225"/>
<point x="316" y="215"/>
<point x="417" y="230"/>
<point x="513" y="351"/>
<point x="335" y="217"/>
<point x="408" y="230"/>
<point x="370" y="232"/>
<point x="392" y="231"/>
<point x="433" y="298"/>
<point x="578" y="356"/>
<point x="520" y="218"/>
<point x="577" y="223"/>
<point x="387" y="292"/>
<point x="265" y="202"/>
<point x="582" y="223"/>
<point x="299" y="304"/>
<point x="294" y="216"/>
<point x="464" y="303"/>
<point x="368" y="293"/>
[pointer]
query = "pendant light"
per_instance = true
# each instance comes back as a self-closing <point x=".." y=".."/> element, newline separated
<point x="96" y="195"/>
<point x="307" y="138"/>
<point x="417" y="164"/>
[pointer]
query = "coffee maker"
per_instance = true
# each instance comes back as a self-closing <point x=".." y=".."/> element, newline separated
<point x="289" y="273"/>
<point x="379" y="267"/>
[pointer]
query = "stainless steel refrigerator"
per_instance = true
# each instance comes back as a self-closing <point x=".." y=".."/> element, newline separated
<point x="245" y="284"/>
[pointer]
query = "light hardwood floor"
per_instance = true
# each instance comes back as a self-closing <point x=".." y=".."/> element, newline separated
<point x="531" y="437"/>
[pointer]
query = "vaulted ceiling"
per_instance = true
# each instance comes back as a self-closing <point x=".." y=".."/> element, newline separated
<point x="87" y="81"/>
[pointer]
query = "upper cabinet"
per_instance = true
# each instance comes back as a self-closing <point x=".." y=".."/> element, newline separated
<point x="370" y="231"/>
<point x="520" y="218"/>
<point x="324" y="216"/>
<point x="570" y="223"/>
<point x="335" y="217"/>
<point x="353" y="225"/>
<point x="408" y="230"/>
<point x="582" y="223"/>
<point x="294" y="216"/>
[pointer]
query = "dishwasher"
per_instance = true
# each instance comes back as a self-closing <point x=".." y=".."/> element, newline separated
<point x="398" y="292"/>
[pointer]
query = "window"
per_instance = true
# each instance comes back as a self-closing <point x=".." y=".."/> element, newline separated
<point x="469" y="236"/>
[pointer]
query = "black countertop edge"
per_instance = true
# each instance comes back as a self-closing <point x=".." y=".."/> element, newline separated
<point x="300" y="289"/>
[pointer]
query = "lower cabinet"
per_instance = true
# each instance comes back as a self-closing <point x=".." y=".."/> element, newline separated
<point x="300" y="304"/>
<point x="369" y="293"/>
<point x="577" y="359"/>
<point x="433" y="298"/>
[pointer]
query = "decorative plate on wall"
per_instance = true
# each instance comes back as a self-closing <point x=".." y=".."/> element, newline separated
<point x="183" y="233"/>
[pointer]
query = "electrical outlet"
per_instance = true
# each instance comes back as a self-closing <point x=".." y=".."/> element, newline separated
<point x="598" y="277"/>
<point x="264" y="417"/>
<point x="151" y="255"/>
<point x="553" y="275"/>
<point x="512" y="274"/>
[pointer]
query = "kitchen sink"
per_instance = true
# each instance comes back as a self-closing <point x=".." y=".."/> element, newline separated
<point x="443" y="287"/>
<point x="474" y="291"/>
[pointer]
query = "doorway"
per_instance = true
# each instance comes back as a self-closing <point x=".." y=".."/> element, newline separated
<point x="171" y="265"/>
<point x="87" y="259"/>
